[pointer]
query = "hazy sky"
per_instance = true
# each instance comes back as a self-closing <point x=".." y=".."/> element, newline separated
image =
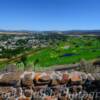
<point x="49" y="14"/>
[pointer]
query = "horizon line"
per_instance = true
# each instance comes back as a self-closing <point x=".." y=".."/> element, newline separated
<point x="50" y="30"/>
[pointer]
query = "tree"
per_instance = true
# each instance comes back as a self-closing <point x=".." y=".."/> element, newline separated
<point x="24" y="60"/>
<point x="35" y="63"/>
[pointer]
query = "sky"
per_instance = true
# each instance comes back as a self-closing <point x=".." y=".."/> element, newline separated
<point x="50" y="14"/>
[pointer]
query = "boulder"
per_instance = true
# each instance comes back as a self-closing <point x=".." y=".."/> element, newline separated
<point x="27" y="81"/>
<point x="1" y="97"/>
<point x="6" y="89"/>
<point x="41" y="79"/>
<point x="10" y="79"/>
<point x="64" y="79"/>
<point x="54" y="83"/>
<point x="12" y="98"/>
<point x="44" y="79"/>
<point x="28" y="92"/>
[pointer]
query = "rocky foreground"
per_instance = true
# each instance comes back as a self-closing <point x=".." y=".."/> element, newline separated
<point x="50" y="85"/>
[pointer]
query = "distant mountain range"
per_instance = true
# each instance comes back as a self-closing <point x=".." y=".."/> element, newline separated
<point x="70" y="32"/>
<point x="83" y="32"/>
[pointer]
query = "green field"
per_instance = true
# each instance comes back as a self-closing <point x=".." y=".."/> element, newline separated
<point x="80" y="48"/>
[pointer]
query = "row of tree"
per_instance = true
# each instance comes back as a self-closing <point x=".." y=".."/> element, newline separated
<point x="25" y="63"/>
